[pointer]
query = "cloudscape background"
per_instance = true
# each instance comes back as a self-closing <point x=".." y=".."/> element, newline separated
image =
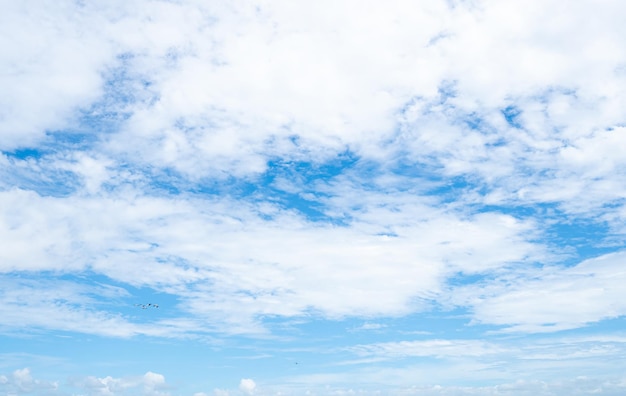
<point x="322" y="197"/>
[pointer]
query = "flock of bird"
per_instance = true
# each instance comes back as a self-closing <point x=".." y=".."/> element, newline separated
<point x="146" y="306"/>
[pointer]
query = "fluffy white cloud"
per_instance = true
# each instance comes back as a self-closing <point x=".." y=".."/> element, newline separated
<point x="560" y="298"/>
<point x="150" y="384"/>
<point x="247" y="386"/>
<point x="459" y="116"/>
<point x="574" y="386"/>
<point x="21" y="382"/>
<point x="392" y="260"/>
<point x="261" y="162"/>
<point x="53" y="56"/>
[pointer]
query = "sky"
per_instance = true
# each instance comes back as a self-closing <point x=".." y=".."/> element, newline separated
<point x="271" y="197"/>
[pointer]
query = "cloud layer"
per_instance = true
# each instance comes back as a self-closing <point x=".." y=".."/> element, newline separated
<point x="262" y="166"/>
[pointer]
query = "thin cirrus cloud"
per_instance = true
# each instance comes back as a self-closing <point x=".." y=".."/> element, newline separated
<point x="274" y="170"/>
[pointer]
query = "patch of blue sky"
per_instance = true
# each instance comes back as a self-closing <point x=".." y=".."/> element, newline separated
<point x="164" y="180"/>
<point x="302" y="174"/>
<point x="55" y="142"/>
<point x="26" y="153"/>
<point x="609" y="327"/>
<point x="213" y="364"/>
<point x="71" y="139"/>
<point x="451" y="189"/>
<point x="533" y="210"/>
<point x="474" y="121"/>
<point x="422" y="167"/>
<point x="310" y="330"/>
<point x="438" y="323"/>
<point x="463" y="279"/>
<point x="266" y="187"/>
<point x="35" y="175"/>
<point x="308" y="171"/>
<point x="512" y="116"/>
<point x="608" y="331"/>
<point x="583" y="237"/>
<point x="310" y="209"/>
<point x="427" y="176"/>
<point x="86" y="355"/>
<point x="441" y="322"/>
<point x="102" y="292"/>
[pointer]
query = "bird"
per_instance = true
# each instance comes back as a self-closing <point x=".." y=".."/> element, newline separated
<point x="146" y="306"/>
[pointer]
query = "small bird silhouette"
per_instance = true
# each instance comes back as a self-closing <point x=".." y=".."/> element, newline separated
<point x="146" y="306"/>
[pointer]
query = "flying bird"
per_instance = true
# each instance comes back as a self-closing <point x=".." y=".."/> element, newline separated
<point x="146" y="306"/>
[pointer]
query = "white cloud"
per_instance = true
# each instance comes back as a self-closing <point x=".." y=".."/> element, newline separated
<point x="53" y="55"/>
<point x="335" y="75"/>
<point x="192" y="249"/>
<point x="557" y="299"/>
<point x="173" y="142"/>
<point x="570" y="386"/>
<point x="150" y="384"/>
<point x="435" y="348"/>
<point x="154" y="384"/>
<point x="370" y="326"/>
<point x="21" y="382"/>
<point x="60" y="305"/>
<point x="200" y="94"/>
<point x="103" y="386"/>
<point x="230" y="85"/>
<point x="247" y="386"/>
<point x="488" y="359"/>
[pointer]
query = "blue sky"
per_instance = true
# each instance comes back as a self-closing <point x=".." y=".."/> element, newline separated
<point x="323" y="198"/>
